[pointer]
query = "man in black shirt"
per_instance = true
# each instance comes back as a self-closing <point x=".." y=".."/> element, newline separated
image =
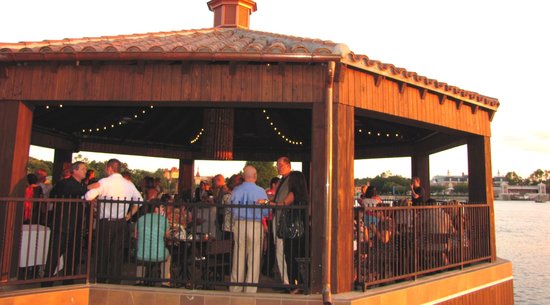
<point x="417" y="192"/>
<point x="67" y="225"/>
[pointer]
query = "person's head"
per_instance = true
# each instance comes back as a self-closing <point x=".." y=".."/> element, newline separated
<point x="32" y="179"/>
<point x="127" y="175"/>
<point x="249" y="173"/>
<point x="415" y="182"/>
<point x="283" y="166"/>
<point x="66" y="173"/>
<point x="41" y="174"/>
<point x="159" y="209"/>
<point x="148" y="182"/>
<point x="218" y="181"/>
<point x="363" y="189"/>
<point x="113" y="166"/>
<point x="371" y="192"/>
<point x="166" y="198"/>
<point x="234" y="181"/>
<point x="274" y="181"/>
<point x="90" y="174"/>
<point x="301" y="193"/>
<point x="78" y="170"/>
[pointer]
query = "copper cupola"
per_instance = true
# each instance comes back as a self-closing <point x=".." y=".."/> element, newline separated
<point x="232" y="13"/>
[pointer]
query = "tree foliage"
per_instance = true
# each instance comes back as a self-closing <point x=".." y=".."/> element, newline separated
<point x="266" y="171"/>
<point x="35" y="164"/>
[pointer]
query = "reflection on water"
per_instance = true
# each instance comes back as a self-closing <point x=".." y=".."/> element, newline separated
<point x="522" y="232"/>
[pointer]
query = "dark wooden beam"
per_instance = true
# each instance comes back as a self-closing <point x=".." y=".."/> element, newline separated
<point x="378" y="79"/>
<point x="474" y="109"/>
<point x="53" y="140"/>
<point x="442" y="98"/>
<point x="422" y="92"/>
<point x="438" y="142"/>
<point x="459" y="104"/>
<point x="402" y="86"/>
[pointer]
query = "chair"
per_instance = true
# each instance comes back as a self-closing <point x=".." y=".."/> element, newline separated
<point x="218" y="260"/>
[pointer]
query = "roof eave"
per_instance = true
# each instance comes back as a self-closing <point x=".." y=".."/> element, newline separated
<point x="160" y="56"/>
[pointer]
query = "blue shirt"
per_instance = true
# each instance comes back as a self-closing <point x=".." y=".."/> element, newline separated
<point x="248" y="193"/>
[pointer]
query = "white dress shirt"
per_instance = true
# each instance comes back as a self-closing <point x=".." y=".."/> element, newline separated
<point x="114" y="187"/>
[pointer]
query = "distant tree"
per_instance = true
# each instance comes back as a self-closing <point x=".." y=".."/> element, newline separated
<point x="266" y="171"/>
<point x="35" y="164"/>
<point x="437" y="189"/>
<point x="461" y="188"/>
<point x="513" y="178"/>
<point x="536" y="177"/>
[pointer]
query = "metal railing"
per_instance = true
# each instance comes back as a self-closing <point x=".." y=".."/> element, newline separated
<point x="402" y="243"/>
<point x="193" y="245"/>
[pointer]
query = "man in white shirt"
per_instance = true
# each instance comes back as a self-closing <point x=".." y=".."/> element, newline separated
<point x="112" y="217"/>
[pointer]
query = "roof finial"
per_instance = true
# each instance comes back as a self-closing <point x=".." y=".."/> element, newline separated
<point x="232" y="13"/>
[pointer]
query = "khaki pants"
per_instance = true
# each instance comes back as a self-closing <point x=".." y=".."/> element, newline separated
<point x="247" y="248"/>
<point x="279" y="250"/>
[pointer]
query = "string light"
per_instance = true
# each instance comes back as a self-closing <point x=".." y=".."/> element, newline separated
<point x="379" y="134"/>
<point x="197" y="137"/>
<point x="285" y="138"/>
<point x="112" y="125"/>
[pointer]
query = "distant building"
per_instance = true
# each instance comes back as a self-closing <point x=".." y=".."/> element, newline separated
<point x="449" y="180"/>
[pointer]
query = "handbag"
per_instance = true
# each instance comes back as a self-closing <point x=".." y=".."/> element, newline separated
<point x="290" y="225"/>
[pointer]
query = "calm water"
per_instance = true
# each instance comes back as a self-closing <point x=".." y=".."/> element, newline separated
<point x="522" y="229"/>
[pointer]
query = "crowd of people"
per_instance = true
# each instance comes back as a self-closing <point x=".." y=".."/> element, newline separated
<point x="386" y="232"/>
<point x="236" y="210"/>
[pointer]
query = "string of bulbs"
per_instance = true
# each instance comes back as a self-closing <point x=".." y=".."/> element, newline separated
<point x="278" y="132"/>
<point x="112" y="125"/>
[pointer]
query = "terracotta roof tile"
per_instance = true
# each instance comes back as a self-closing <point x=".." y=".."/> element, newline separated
<point x="226" y="41"/>
<point x="364" y="62"/>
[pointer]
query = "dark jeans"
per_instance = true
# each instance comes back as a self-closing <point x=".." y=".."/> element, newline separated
<point x="294" y="248"/>
<point x="110" y="251"/>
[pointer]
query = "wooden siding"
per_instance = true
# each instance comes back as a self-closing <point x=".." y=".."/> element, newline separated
<point x="360" y="89"/>
<point x="164" y="82"/>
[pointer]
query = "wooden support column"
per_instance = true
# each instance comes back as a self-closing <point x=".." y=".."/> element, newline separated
<point x="186" y="179"/>
<point x="15" y="137"/>
<point x="342" y="198"/>
<point x="342" y="184"/>
<point x="480" y="180"/>
<point x="316" y="189"/>
<point x="420" y="167"/>
<point x="62" y="159"/>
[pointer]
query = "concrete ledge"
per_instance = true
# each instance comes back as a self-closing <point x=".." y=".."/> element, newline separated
<point x="428" y="290"/>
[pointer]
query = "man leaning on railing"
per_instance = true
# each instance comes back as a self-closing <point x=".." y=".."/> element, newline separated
<point x="112" y="218"/>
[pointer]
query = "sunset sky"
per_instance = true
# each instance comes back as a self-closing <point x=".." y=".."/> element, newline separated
<point x="496" y="48"/>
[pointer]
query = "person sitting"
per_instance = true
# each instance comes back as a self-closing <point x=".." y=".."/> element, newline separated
<point x="371" y="197"/>
<point x="152" y="228"/>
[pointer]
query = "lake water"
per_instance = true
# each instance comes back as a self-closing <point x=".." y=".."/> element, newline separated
<point x="522" y="232"/>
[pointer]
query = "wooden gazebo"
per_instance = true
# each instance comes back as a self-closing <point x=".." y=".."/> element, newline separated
<point x="229" y="92"/>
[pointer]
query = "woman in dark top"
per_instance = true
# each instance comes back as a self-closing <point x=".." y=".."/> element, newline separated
<point x="295" y="247"/>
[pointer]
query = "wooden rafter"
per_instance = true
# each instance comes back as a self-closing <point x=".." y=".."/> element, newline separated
<point x="459" y="104"/>
<point x="422" y="92"/>
<point x="378" y="79"/>
<point x="402" y="86"/>
<point x="442" y="98"/>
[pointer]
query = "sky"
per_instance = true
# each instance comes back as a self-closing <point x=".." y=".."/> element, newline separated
<point x="495" y="48"/>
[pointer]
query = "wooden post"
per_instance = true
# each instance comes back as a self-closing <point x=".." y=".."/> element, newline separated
<point x="15" y="137"/>
<point x="316" y="189"/>
<point x="62" y="159"/>
<point x="342" y="198"/>
<point x="420" y="167"/>
<point x="186" y="179"/>
<point x="342" y="183"/>
<point x="480" y="180"/>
